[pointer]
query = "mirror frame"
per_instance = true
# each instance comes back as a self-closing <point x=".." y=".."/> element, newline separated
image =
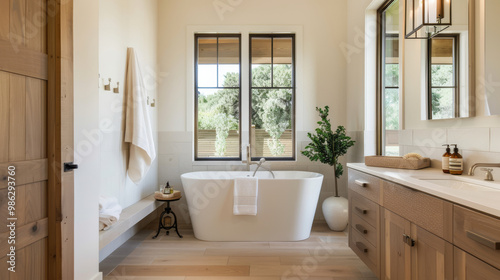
<point x="426" y="110"/>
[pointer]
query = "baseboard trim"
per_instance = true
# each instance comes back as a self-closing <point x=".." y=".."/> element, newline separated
<point x="98" y="276"/>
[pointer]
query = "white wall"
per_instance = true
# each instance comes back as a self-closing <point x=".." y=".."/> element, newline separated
<point x="361" y="30"/>
<point x="322" y="79"/>
<point x="101" y="49"/>
<point x="123" y="24"/>
<point x="86" y="94"/>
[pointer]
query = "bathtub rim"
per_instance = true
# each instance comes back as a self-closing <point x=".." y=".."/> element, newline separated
<point x="314" y="175"/>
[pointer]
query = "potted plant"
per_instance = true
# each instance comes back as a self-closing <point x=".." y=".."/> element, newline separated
<point x="327" y="147"/>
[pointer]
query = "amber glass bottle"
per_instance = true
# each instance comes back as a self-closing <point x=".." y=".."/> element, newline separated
<point x="456" y="162"/>
<point x="446" y="159"/>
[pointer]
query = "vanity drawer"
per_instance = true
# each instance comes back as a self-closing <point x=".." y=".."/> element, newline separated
<point x="364" y="184"/>
<point x="368" y="253"/>
<point x="477" y="234"/>
<point x="467" y="267"/>
<point x="366" y="230"/>
<point x="430" y="213"/>
<point x="364" y="208"/>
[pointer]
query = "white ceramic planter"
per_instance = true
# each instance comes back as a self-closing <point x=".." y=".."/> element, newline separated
<point x="335" y="212"/>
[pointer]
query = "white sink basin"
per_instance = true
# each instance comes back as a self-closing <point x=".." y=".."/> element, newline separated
<point x="458" y="185"/>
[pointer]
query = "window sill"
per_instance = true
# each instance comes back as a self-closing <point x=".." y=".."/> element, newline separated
<point x="237" y="163"/>
<point x="217" y="163"/>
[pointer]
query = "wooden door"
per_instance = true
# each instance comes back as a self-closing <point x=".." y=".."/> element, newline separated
<point x="396" y="257"/>
<point x="35" y="140"/>
<point x="468" y="267"/>
<point x="432" y="257"/>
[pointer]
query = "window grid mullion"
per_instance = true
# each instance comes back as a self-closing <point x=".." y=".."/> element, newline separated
<point x="272" y="62"/>
<point x="217" y="61"/>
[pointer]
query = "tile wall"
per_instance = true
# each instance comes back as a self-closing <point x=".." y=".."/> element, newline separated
<point x="481" y="144"/>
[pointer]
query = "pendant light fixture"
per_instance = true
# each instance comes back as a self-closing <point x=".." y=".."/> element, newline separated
<point x="426" y="18"/>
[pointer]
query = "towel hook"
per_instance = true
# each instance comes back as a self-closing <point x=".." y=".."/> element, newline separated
<point x="117" y="88"/>
<point x="108" y="86"/>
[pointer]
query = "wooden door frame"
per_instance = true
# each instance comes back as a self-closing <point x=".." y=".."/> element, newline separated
<point x="60" y="139"/>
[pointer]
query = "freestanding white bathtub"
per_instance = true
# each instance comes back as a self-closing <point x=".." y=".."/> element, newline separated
<point x="286" y="206"/>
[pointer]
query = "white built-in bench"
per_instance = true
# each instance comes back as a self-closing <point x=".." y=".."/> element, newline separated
<point x="132" y="220"/>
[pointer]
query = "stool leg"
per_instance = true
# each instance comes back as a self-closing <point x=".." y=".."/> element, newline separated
<point x="160" y="225"/>
<point x="175" y="225"/>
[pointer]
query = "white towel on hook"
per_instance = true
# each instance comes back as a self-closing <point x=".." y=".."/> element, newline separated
<point x="137" y="123"/>
<point x="246" y="190"/>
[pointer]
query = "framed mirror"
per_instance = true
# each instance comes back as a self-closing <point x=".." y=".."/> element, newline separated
<point x="448" y="59"/>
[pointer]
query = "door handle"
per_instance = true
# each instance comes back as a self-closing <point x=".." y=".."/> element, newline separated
<point x="70" y="166"/>
<point x="408" y="240"/>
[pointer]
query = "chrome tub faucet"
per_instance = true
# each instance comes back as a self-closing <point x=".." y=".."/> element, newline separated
<point x="249" y="162"/>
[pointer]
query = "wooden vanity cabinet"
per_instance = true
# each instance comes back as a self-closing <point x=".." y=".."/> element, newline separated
<point x="396" y="252"/>
<point x="468" y="267"/>
<point x="420" y="237"/>
<point x="410" y="252"/>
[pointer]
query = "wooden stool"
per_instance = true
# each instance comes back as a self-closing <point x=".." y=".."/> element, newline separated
<point x="168" y="211"/>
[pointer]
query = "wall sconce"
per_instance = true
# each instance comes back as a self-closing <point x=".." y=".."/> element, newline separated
<point x="117" y="88"/>
<point x="426" y="18"/>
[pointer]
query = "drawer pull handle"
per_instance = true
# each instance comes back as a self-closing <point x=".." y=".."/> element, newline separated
<point x="361" y="228"/>
<point x="360" y="183"/>
<point x="362" y="247"/>
<point x="495" y="245"/>
<point x="362" y="211"/>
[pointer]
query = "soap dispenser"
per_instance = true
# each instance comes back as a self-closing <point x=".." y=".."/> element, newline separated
<point x="456" y="162"/>
<point x="446" y="159"/>
<point x="168" y="189"/>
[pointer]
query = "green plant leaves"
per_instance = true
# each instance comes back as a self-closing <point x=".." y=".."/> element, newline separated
<point x="327" y="146"/>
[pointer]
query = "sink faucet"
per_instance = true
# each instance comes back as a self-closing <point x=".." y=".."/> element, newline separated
<point x="489" y="177"/>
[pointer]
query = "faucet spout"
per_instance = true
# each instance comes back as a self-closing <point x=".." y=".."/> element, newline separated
<point x="248" y="161"/>
<point x="472" y="169"/>
<point x="259" y="165"/>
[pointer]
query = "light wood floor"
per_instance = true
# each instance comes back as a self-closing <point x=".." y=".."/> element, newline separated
<point x="325" y="255"/>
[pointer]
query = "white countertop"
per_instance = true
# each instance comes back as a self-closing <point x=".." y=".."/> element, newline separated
<point x="486" y="200"/>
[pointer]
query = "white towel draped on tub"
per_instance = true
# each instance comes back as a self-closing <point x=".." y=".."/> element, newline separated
<point x="137" y="124"/>
<point x="246" y="190"/>
<point x="109" y="212"/>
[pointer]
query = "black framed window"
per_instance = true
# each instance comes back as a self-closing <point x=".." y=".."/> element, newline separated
<point x="443" y="77"/>
<point x="217" y="97"/>
<point x="272" y="96"/>
<point x="388" y="122"/>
